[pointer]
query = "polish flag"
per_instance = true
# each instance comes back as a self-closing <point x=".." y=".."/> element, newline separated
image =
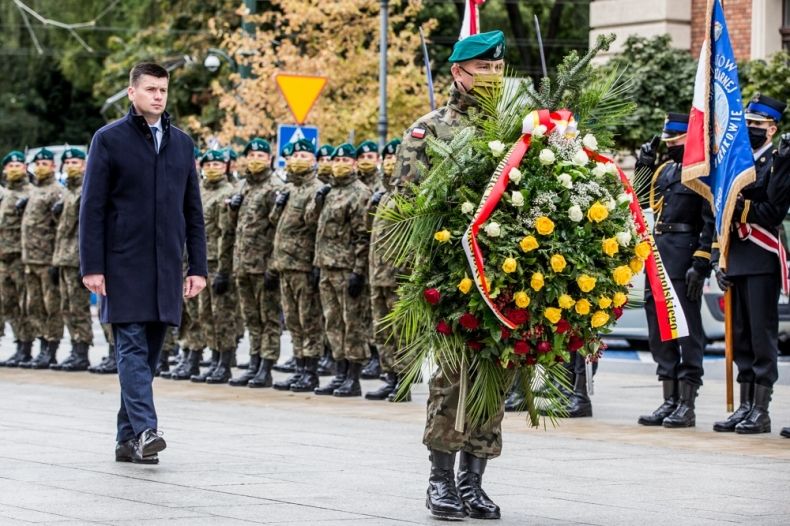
<point x="471" y="24"/>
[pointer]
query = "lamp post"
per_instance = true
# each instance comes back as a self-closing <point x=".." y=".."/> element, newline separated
<point x="383" y="74"/>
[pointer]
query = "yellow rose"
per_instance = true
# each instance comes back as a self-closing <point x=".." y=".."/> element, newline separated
<point x="610" y="246"/>
<point x="552" y="314"/>
<point x="622" y="275"/>
<point x="599" y="319"/>
<point x="565" y="301"/>
<point x="558" y="263"/>
<point x="442" y="236"/>
<point x="597" y="212"/>
<point x="522" y="299"/>
<point x="528" y="243"/>
<point x="604" y="302"/>
<point x="544" y="225"/>
<point x="619" y="299"/>
<point x="536" y="282"/>
<point x="583" y="307"/>
<point x="465" y="285"/>
<point x="586" y="283"/>
<point x="642" y="250"/>
<point x="636" y="265"/>
<point x="509" y="265"/>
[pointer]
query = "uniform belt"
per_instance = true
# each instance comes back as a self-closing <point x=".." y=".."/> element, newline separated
<point x="662" y="228"/>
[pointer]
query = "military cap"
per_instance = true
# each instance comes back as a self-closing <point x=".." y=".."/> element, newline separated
<point x="44" y="155"/>
<point x="288" y="150"/>
<point x="763" y="108"/>
<point x="196" y="151"/>
<point x="675" y="125"/>
<point x="367" y="147"/>
<point x="72" y="153"/>
<point x="391" y="148"/>
<point x="483" y="46"/>
<point x="230" y="154"/>
<point x="257" y="145"/>
<point x="303" y="145"/>
<point x="325" y="151"/>
<point x="213" y="155"/>
<point x="14" y="156"/>
<point x="345" y="150"/>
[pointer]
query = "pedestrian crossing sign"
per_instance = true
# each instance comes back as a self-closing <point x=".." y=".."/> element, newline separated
<point x="291" y="133"/>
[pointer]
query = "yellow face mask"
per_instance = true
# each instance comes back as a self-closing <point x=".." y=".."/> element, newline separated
<point x="257" y="165"/>
<point x="73" y="172"/>
<point x="14" y="174"/>
<point x="366" y="167"/>
<point x="325" y="169"/>
<point x="388" y="166"/>
<point x="298" y="166"/>
<point x="489" y="82"/>
<point x="213" y="174"/>
<point x="341" y="170"/>
<point x="43" y="172"/>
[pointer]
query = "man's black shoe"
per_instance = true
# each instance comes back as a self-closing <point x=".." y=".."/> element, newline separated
<point x="123" y="452"/>
<point x="148" y="443"/>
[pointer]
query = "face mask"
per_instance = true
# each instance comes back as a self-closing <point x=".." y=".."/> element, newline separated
<point x="257" y="166"/>
<point x="367" y="167"/>
<point x="388" y="166"/>
<point x="298" y="166"/>
<point x="14" y="174"/>
<point x="43" y="172"/>
<point x="73" y="172"/>
<point x="325" y="169"/>
<point x="676" y="153"/>
<point x="757" y="137"/>
<point x="342" y="170"/>
<point x="488" y="82"/>
<point x="213" y="175"/>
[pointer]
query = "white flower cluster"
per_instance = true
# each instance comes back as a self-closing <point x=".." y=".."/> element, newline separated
<point x="585" y="192"/>
<point x="542" y="205"/>
<point x="566" y="148"/>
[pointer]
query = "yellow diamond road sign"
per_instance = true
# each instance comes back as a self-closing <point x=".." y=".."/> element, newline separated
<point x="300" y="92"/>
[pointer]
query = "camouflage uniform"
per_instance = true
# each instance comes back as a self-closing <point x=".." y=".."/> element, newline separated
<point x="412" y="162"/>
<point x="250" y="235"/>
<point x="12" y="272"/>
<point x="293" y="255"/>
<point x="75" y="299"/>
<point x="341" y="247"/>
<point x="38" y="244"/>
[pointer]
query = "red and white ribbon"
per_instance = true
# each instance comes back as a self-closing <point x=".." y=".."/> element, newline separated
<point x="770" y="242"/>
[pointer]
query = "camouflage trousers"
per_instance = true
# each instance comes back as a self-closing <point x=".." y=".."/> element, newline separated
<point x="75" y="304"/>
<point x="43" y="303"/>
<point x="344" y="317"/>
<point x="261" y="311"/>
<point x="382" y="301"/>
<point x="190" y="333"/>
<point x="440" y="433"/>
<point x="302" y="314"/>
<point x="218" y="318"/>
<point x="12" y="298"/>
<point x="106" y="328"/>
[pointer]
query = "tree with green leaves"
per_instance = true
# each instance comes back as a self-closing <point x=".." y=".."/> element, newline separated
<point x="770" y="77"/>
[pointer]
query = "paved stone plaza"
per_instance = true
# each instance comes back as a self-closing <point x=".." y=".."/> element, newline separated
<point x="242" y="456"/>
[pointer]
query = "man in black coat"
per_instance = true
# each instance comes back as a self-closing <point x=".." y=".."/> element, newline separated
<point x="140" y="208"/>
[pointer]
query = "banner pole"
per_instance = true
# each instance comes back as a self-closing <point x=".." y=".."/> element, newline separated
<point x="728" y="351"/>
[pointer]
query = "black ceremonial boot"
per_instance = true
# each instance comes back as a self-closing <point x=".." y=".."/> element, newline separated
<point x="390" y="380"/>
<point x="747" y="397"/>
<point x="221" y="373"/>
<point x="263" y="377"/>
<point x="758" y="420"/>
<point x="79" y="360"/>
<point x="249" y="374"/>
<point x="442" y="498"/>
<point x="684" y="416"/>
<point x="189" y="367"/>
<point x="372" y="369"/>
<point x="394" y="397"/>
<point x="351" y="386"/>
<point x="285" y="385"/>
<point x="201" y="378"/>
<point x="336" y="381"/>
<point x="470" y="478"/>
<point x="579" y="404"/>
<point x="665" y="409"/>
<point x="309" y="379"/>
<point x="288" y="367"/>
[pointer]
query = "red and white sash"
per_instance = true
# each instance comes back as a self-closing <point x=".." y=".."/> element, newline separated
<point x="770" y="242"/>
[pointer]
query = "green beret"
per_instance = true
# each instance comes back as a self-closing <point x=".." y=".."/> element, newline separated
<point x="483" y="46"/>
<point x="72" y="153"/>
<point x="14" y="156"/>
<point x="325" y="151"/>
<point x="345" y="150"/>
<point x="257" y="145"/>
<point x="391" y="148"/>
<point x="44" y="155"/>
<point x="367" y="147"/>
<point x="196" y="151"/>
<point x="230" y="154"/>
<point x="213" y="155"/>
<point x="303" y="145"/>
<point x="288" y="150"/>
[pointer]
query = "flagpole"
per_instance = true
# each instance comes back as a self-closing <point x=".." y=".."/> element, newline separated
<point x="428" y="73"/>
<point x="540" y="47"/>
<point x="728" y="354"/>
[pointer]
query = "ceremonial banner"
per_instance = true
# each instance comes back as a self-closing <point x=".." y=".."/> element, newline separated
<point x="471" y="23"/>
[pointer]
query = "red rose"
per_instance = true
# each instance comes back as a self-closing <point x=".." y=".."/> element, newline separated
<point x="618" y="311"/>
<point x="531" y="359"/>
<point x="504" y="333"/>
<point x="518" y="316"/>
<point x="444" y="328"/>
<point x="575" y="343"/>
<point x="544" y="347"/>
<point x="468" y="322"/>
<point x="432" y="296"/>
<point x="475" y="346"/>
<point x="559" y="359"/>
<point x="521" y="347"/>
<point x="563" y="326"/>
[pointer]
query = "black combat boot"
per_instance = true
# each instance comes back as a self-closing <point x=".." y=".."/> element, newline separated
<point x="177" y="356"/>
<point x="515" y="398"/>
<point x="664" y="410"/>
<point x="390" y="381"/>
<point x="189" y="368"/>
<point x="350" y="386"/>
<point x="23" y="354"/>
<point x="336" y="381"/>
<point x="40" y="358"/>
<point x="579" y="403"/>
<point x="80" y="361"/>
<point x="111" y="365"/>
<point x="372" y="369"/>
<point x="288" y="367"/>
<point x="309" y="379"/>
<point x="442" y="498"/>
<point x="201" y="378"/>
<point x="470" y="478"/>
<point x="221" y="373"/>
<point x="164" y="363"/>
<point x="326" y="365"/>
<point x="785" y="432"/>
<point x="102" y="363"/>
<point x="758" y="420"/>
<point x="263" y="378"/>
<point x="683" y="415"/>
<point x="747" y="398"/>
<point x="394" y="395"/>
<point x="70" y="358"/>
<point x="249" y="374"/>
<point x="285" y="385"/>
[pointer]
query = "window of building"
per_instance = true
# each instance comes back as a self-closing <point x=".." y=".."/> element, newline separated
<point x="785" y="30"/>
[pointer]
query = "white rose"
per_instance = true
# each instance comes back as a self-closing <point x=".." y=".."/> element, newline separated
<point x="575" y="213"/>
<point x="515" y="175"/>
<point x="467" y="207"/>
<point x="565" y="180"/>
<point x="497" y="148"/>
<point x="623" y="238"/>
<point x="493" y="230"/>
<point x="518" y="199"/>
<point x="540" y="131"/>
<point x="599" y="170"/>
<point x="580" y="158"/>
<point x="611" y="168"/>
<point x="590" y="142"/>
<point x="610" y="204"/>
<point x="624" y="198"/>
<point x="546" y="157"/>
